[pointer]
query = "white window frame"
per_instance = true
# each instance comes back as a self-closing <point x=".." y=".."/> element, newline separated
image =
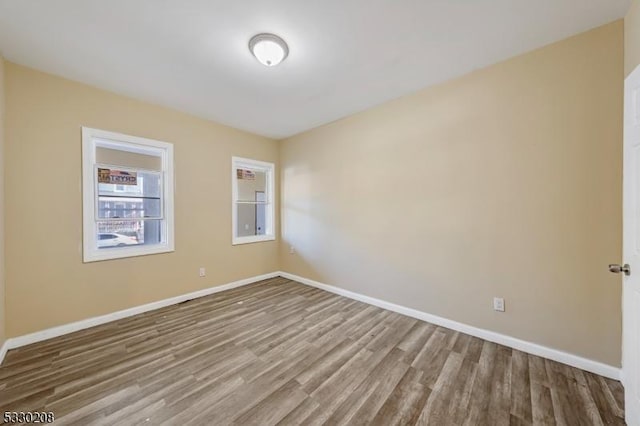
<point x="270" y="218"/>
<point x="94" y="138"/>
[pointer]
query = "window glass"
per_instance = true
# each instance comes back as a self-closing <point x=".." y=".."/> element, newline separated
<point x="253" y="210"/>
<point x="128" y="205"/>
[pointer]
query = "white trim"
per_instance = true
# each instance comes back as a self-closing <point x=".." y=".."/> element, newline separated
<point x="269" y="169"/>
<point x="27" y="339"/>
<point x="512" y="342"/>
<point x="3" y="350"/>
<point x="252" y="164"/>
<point x="92" y="138"/>
<point x="253" y="239"/>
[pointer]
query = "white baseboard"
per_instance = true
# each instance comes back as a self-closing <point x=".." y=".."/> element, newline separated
<point x="27" y="339"/>
<point x="3" y="350"/>
<point x="512" y="342"/>
<point x="522" y="345"/>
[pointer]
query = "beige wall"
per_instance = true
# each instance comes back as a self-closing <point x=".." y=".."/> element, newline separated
<point x="2" y="204"/>
<point x="47" y="283"/>
<point x="505" y="182"/>
<point x="632" y="38"/>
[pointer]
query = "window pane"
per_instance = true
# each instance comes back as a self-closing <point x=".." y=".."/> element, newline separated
<point x="250" y="184"/>
<point x="251" y="219"/>
<point x="126" y="200"/>
<point x="128" y="159"/>
<point x="130" y="208"/>
<point x="125" y="233"/>
<point x="127" y="195"/>
<point x="147" y="185"/>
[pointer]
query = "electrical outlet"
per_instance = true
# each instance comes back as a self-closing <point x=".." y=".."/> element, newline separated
<point x="498" y="304"/>
<point x="292" y="249"/>
<point x="202" y="272"/>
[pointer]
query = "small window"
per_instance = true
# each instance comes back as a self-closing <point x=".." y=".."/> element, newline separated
<point x="253" y="209"/>
<point x="127" y="196"/>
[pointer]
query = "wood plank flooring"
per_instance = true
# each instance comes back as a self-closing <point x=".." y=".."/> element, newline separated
<point x="279" y="352"/>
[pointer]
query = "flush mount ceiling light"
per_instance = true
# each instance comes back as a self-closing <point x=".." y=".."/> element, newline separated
<point x="269" y="49"/>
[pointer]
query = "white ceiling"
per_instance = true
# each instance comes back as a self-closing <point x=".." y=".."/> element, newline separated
<point x="345" y="55"/>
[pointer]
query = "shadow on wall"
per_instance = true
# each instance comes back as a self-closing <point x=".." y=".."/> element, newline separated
<point x="331" y="244"/>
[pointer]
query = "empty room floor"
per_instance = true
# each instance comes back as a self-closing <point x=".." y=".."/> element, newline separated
<point x="279" y="352"/>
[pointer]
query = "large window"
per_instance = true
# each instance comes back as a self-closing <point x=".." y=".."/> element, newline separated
<point x="127" y="195"/>
<point x="253" y="210"/>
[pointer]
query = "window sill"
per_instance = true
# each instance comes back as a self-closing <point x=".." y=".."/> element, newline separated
<point x="253" y="239"/>
<point x="124" y="252"/>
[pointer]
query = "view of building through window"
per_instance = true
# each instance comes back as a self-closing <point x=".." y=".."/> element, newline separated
<point x="129" y="212"/>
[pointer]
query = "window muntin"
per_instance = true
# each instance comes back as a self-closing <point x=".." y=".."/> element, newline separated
<point x="128" y="216"/>
<point x="253" y="207"/>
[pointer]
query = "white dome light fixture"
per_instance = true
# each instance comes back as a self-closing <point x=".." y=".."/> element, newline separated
<point x="269" y="49"/>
